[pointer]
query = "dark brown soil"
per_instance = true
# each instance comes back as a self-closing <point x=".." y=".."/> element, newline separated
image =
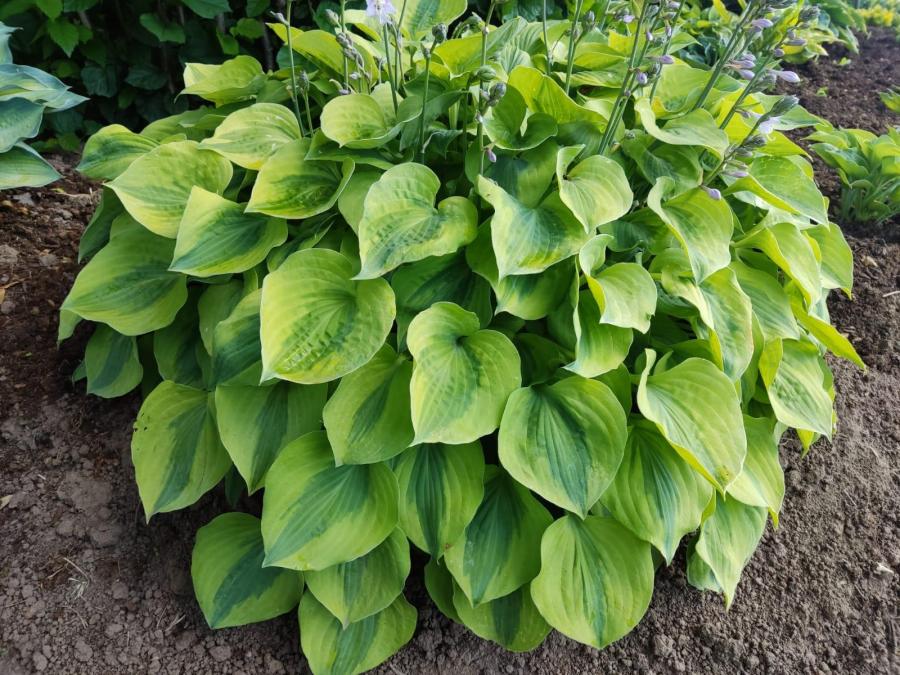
<point x="87" y="588"/>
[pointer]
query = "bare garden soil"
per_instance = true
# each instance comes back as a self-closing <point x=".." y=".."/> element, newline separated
<point x="87" y="587"/>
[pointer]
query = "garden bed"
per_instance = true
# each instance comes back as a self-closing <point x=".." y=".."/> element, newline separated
<point x="87" y="586"/>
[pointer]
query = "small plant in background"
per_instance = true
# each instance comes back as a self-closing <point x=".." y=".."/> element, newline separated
<point x="26" y="94"/>
<point x="891" y="99"/>
<point x="869" y="168"/>
<point x="534" y="294"/>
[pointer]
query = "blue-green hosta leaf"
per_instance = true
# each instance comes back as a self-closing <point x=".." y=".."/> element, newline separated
<point x="216" y="236"/>
<point x="441" y="487"/>
<point x="462" y="376"/>
<point x="21" y="166"/>
<point x="697" y="409"/>
<point x="176" y="450"/>
<point x="625" y="292"/>
<point x="237" y="79"/>
<point x="526" y="176"/>
<point x="400" y="223"/>
<point x="498" y="551"/>
<point x="368" y="417"/>
<point x="817" y="322"/>
<point x="785" y="184"/>
<point x="596" y="189"/>
<point x="249" y="136"/>
<point x="441" y="588"/>
<point x="678" y="162"/>
<point x="214" y="305"/>
<point x="702" y="225"/>
<point x="237" y="352"/>
<point x="155" y="187"/>
<point x="697" y="128"/>
<point x="596" y="579"/>
<point x="505" y="121"/>
<point x="353" y="590"/>
<point x="512" y="621"/>
<point x="358" y="121"/>
<point x="110" y="151"/>
<point x="527" y="239"/>
<point x="96" y="233"/>
<point x="316" y="515"/>
<point x="178" y="348"/>
<point x="332" y="649"/>
<point x="36" y="86"/>
<point x="527" y="296"/>
<point x="111" y="363"/>
<point x="317" y="324"/>
<point x="771" y="306"/>
<point x="599" y="347"/>
<point x="796" y="381"/>
<point x="20" y="120"/>
<point x="564" y="441"/>
<point x="255" y="423"/>
<point x="231" y="585"/>
<point x="761" y="483"/>
<point x="655" y="493"/>
<point x="790" y="249"/>
<point x="836" y="257"/>
<point x="419" y="16"/>
<point x="291" y="186"/>
<point x="128" y="285"/>
<point x="726" y="543"/>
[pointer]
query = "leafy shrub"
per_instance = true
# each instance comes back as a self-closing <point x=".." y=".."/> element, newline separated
<point x="419" y="292"/>
<point x="26" y="93"/>
<point x="869" y="168"/>
<point x="884" y="13"/>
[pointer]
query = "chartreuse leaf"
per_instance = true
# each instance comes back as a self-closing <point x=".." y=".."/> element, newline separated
<point x="655" y="493"/>
<point x="419" y="16"/>
<point x="462" y="376"/>
<point x="697" y="127"/>
<point x="795" y="378"/>
<point x="400" y="223"/>
<point x="358" y="122"/>
<point x="564" y="440"/>
<point x="596" y="579"/>
<point x="175" y="448"/>
<point x="317" y="324"/>
<point x="823" y="331"/>
<point x="368" y="417"/>
<point x="217" y="237"/>
<point x="726" y="543"/>
<point x="237" y="353"/>
<point x="625" y="292"/>
<point x="155" y="187"/>
<point x="505" y="122"/>
<point x="498" y="551"/>
<point x="96" y="234"/>
<point x="332" y="649"/>
<point x="110" y="151"/>
<point x="111" y="363"/>
<point x="702" y="225"/>
<point x="512" y="621"/>
<point x="783" y="183"/>
<point x="527" y="239"/>
<point x="128" y="285"/>
<point x="291" y="186"/>
<point x="761" y="483"/>
<point x="787" y="247"/>
<point x="596" y="189"/>
<point x="236" y="79"/>
<point x="837" y="258"/>
<point x="353" y="590"/>
<point x="249" y="136"/>
<point x="232" y="586"/>
<point x="255" y="423"/>
<point x="21" y="166"/>
<point x="697" y="409"/>
<point x="316" y="515"/>
<point x="441" y="487"/>
<point x="599" y="347"/>
<point x="178" y="348"/>
<point x="771" y="305"/>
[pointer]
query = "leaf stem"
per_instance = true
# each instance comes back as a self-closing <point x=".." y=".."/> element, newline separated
<point x="290" y="44"/>
<point x="546" y="40"/>
<point x="424" y="104"/>
<point x="391" y="75"/>
<point x="573" y="42"/>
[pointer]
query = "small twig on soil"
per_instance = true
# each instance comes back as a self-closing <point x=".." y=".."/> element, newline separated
<point x="172" y="625"/>
<point x="887" y="295"/>
<point x="83" y="573"/>
<point x="80" y="618"/>
<point x="12" y="604"/>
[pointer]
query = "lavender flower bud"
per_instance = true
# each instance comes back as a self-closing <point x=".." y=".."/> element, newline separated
<point x="641" y="78"/>
<point x="332" y="18"/>
<point x="627" y="18"/>
<point x="672" y="4"/>
<point x="489" y="153"/>
<point x="787" y="76"/>
<point x="439" y="33"/>
<point x="761" y="23"/>
<point x="778" y="52"/>
<point x="746" y="74"/>
<point x="712" y="192"/>
<point x="486" y="74"/>
<point x="665" y="59"/>
<point x="649" y="36"/>
<point x="738" y="173"/>
<point x="795" y="42"/>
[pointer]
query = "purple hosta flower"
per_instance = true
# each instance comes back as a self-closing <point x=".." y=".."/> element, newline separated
<point x="649" y="36"/>
<point x="489" y="153"/>
<point x="627" y="18"/>
<point x="795" y="42"/>
<point x="665" y="60"/>
<point x="383" y="10"/>
<point x="712" y="192"/>
<point x="742" y="64"/>
<point x="787" y="76"/>
<point x="641" y="78"/>
<point x="761" y="23"/>
<point x="778" y="52"/>
<point x="746" y="74"/>
<point x="738" y="173"/>
<point x="767" y="126"/>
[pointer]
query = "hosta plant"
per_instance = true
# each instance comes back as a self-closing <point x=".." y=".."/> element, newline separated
<point x="412" y="295"/>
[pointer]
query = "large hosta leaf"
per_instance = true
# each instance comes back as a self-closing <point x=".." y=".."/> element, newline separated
<point x="217" y="237"/>
<point x="128" y="285"/>
<point x="564" y="441"/>
<point x="771" y="305"/>
<point x="232" y="586"/>
<point x="512" y="621"/>
<point x="527" y="239"/>
<point x="761" y="483"/>
<point x="726" y="543"/>
<point x="111" y="363"/>
<point x="237" y="352"/>
<point x="368" y="416"/>
<point x="596" y="579"/>
<point x="599" y="347"/>
<point x="316" y="323"/>
<point x="462" y="376"/>
<point x="697" y="127"/>
<point x="332" y="649"/>
<point x="656" y="494"/>
<point x="419" y="16"/>
<point x="176" y="450"/>
<point x="596" y="189"/>
<point x="791" y="250"/>
<point x="155" y="187"/>
<point x="625" y="292"/>
<point x="795" y="378"/>
<point x="498" y="552"/>
<point x="249" y="136"/>
<point x="256" y="422"/>
<point x="785" y="184"/>
<point x="400" y="223"/>
<point x="505" y="122"/>
<point x="316" y="515"/>
<point x="358" y="121"/>
<point x="441" y="487"/>
<point x="19" y="120"/>
<point x="697" y="409"/>
<point x="23" y="167"/>
<point x="353" y="590"/>
<point x="291" y="186"/>
<point x="110" y="151"/>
